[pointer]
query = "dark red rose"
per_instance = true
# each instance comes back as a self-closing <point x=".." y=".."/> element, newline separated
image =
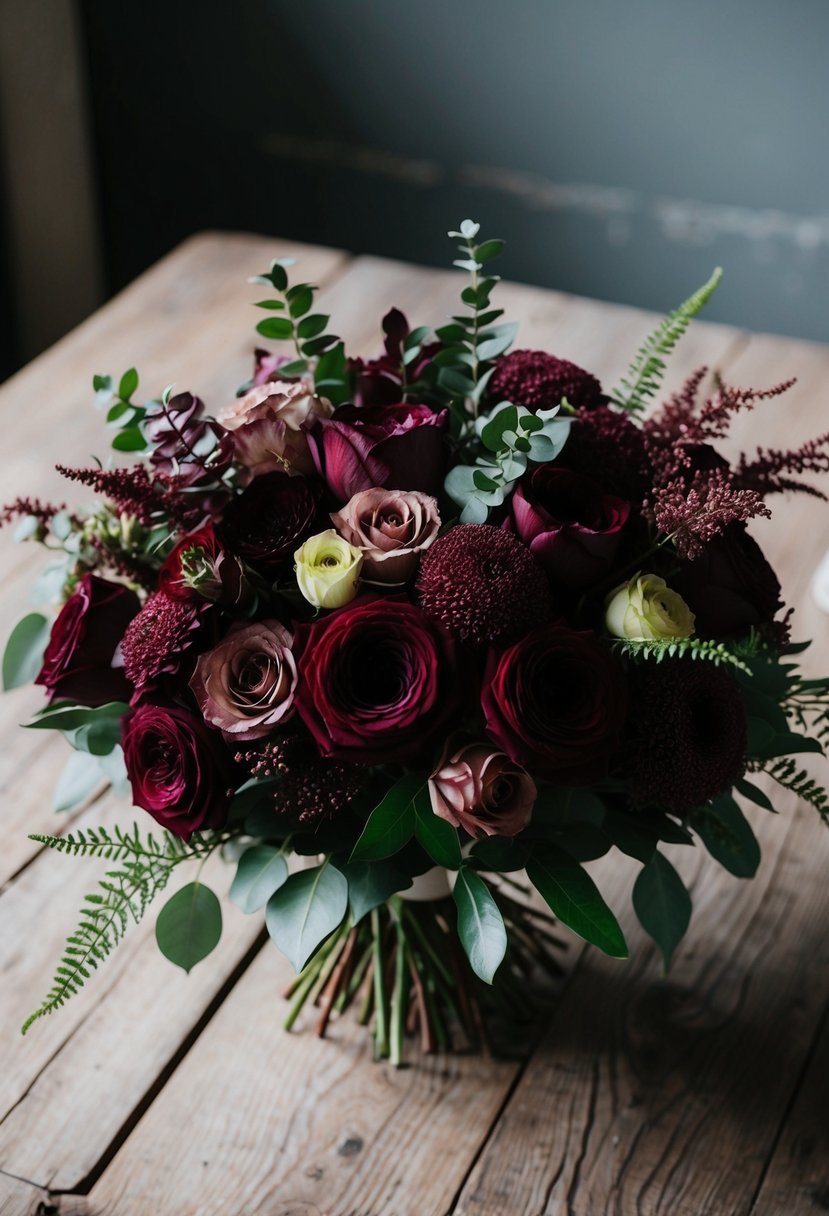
<point x="375" y="680"/>
<point x="730" y="586"/>
<point x="380" y="381"/>
<point x="396" y="447"/>
<point x="182" y="440"/>
<point x="77" y="664"/>
<point x="568" y="523"/>
<point x="179" y="769"/>
<point x="539" y="381"/>
<point x="199" y="567"/>
<point x="555" y="703"/>
<point x="271" y="519"/>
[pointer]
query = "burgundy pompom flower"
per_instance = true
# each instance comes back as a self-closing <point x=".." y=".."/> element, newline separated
<point x="686" y="735"/>
<point x="375" y="680"/>
<point x="157" y="638"/>
<point x="568" y="523"/>
<point x="180" y="771"/>
<point x="271" y="519"/>
<point x="482" y="584"/>
<point x="539" y="381"/>
<point x="398" y="447"/>
<point x="607" y="445"/>
<point x="77" y="664"/>
<point x="555" y="703"/>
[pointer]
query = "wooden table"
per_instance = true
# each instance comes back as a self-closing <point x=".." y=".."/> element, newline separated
<point x="155" y="1094"/>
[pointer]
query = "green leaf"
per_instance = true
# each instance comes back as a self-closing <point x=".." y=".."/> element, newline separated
<point x="316" y="346"/>
<point x="260" y="872"/>
<point x="574" y="898"/>
<point x="128" y="384"/>
<point x="270" y="305"/>
<point x="727" y="835"/>
<point x="120" y="409"/>
<point x="102" y="384"/>
<point x="500" y="854"/>
<point x="300" y="299"/>
<point x="23" y="656"/>
<point x="496" y="341"/>
<point x="277" y="328"/>
<point x="480" y="925"/>
<point x="488" y="250"/>
<point x="392" y="822"/>
<point x="65" y="716"/>
<point x="305" y="909"/>
<point x="662" y="904"/>
<point x="438" y="838"/>
<point x="631" y="834"/>
<point x="80" y="777"/>
<point x="312" y="327"/>
<point x="371" y="883"/>
<point x="754" y="794"/>
<point x="130" y="439"/>
<point x="455" y="381"/>
<point x="189" y="925"/>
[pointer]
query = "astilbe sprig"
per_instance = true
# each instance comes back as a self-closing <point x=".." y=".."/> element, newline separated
<point x="135" y="492"/>
<point x="774" y="470"/>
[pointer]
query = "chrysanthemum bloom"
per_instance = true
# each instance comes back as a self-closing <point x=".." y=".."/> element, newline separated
<point x="483" y="585"/>
<point x="686" y="735"/>
<point x="539" y="381"/>
<point x="157" y="637"/>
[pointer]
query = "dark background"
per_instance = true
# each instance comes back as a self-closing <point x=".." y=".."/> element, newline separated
<point x="623" y="150"/>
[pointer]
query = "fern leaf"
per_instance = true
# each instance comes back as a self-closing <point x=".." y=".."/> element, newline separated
<point x="786" y="773"/>
<point x="680" y="648"/>
<point x="647" y="370"/>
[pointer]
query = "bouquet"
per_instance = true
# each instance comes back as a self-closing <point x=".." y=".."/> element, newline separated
<point x="406" y="639"/>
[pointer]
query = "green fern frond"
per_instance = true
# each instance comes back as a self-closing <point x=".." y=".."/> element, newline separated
<point x="680" y="648"/>
<point x="647" y="370"/>
<point x="123" y="896"/>
<point x="786" y="773"/>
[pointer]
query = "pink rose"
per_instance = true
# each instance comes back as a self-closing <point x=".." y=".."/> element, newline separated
<point x="391" y="528"/>
<point x="482" y="791"/>
<point x="267" y="426"/>
<point x="245" y="685"/>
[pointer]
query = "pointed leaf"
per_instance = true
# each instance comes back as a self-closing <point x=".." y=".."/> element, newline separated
<point x="480" y="925"/>
<point x="728" y="836"/>
<point x="662" y="904"/>
<point x="371" y="883"/>
<point x="189" y="925"/>
<point x="438" y="838"/>
<point x="305" y="909"/>
<point x="574" y="898"/>
<point x="391" y="824"/>
<point x="261" y="871"/>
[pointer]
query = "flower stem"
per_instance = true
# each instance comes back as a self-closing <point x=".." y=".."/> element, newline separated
<point x="381" y="1033"/>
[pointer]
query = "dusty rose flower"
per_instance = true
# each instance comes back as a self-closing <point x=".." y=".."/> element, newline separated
<point x="482" y="791"/>
<point x="245" y="685"/>
<point x="267" y="426"/>
<point x="391" y="528"/>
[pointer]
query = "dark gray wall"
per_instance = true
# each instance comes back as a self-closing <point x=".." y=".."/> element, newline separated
<point x="623" y="147"/>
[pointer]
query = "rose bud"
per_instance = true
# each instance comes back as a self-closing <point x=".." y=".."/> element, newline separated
<point x="200" y="566"/>
<point x="396" y="446"/>
<point x="245" y="685"/>
<point x="568" y="523"/>
<point x="482" y="791"/>
<point x="267" y="426"/>
<point x="179" y="769"/>
<point x="645" y="610"/>
<point x="77" y="664"/>
<point x="391" y="528"/>
<point x="555" y="702"/>
<point x="328" y="570"/>
<point x="270" y="518"/>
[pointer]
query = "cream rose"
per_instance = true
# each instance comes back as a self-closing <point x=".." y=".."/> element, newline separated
<point x="391" y="528"/>
<point x="328" y="570"/>
<point x="645" y="610"/>
<point x="267" y="422"/>
<point x="482" y="791"/>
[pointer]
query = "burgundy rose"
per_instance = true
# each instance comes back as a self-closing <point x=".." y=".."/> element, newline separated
<point x="375" y="680"/>
<point x="77" y="664"/>
<point x="271" y="518"/>
<point x="730" y="587"/>
<point x="391" y="528"/>
<point x="180" y="771"/>
<point x="555" y="703"/>
<point x="200" y="567"/>
<point x="380" y="381"/>
<point x="398" y="447"/>
<point x="568" y="523"/>
<point x="245" y="685"/>
<point x="482" y="791"/>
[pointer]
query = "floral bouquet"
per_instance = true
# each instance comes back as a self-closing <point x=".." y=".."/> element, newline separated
<point x="405" y="638"/>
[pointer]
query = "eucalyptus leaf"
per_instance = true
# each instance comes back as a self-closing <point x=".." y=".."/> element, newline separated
<point x="307" y="907"/>
<point x="371" y="883"/>
<point x="80" y="777"/>
<point x="23" y="656"/>
<point x="189" y="925"/>
<point x="261" y="870"/>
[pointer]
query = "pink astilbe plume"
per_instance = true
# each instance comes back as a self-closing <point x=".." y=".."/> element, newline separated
<point x="693" y="513"/>
<point x="135" y="492"/>
<point x="43" y="512"/>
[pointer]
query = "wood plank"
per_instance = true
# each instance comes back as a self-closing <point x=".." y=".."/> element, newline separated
<point x="644" y="1095"/>
<point x="293" y="1149"/>
<point x="19" y="1198"/>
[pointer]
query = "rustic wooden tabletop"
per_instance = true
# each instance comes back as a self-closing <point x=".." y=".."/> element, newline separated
<point x="155" y="1094"/>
